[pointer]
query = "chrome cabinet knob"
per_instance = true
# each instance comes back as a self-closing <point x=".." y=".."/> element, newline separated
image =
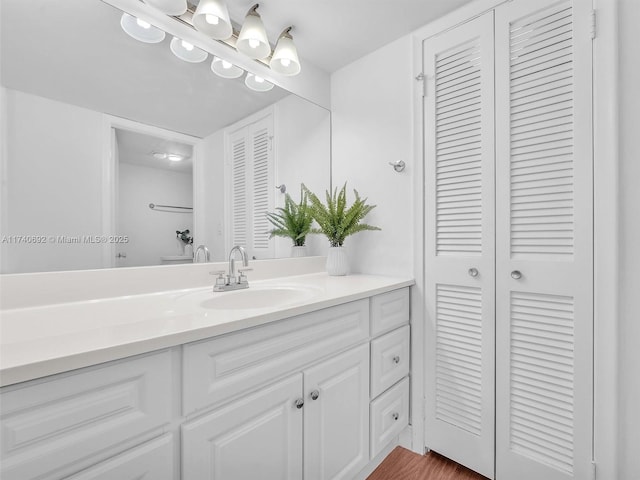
<point x="516" y="275"/>
<point x="314" y="395"/>
<point x="299" y="403"/>
<point x="395" y="416"/>
<point x="473" y="272"/>
<point x="396" y="359"/>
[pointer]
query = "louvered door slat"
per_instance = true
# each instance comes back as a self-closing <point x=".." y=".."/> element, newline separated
<point x="543" y="220"/>
<point x="459" y="169"/>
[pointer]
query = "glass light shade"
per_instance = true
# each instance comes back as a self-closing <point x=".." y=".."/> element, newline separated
<point x="169" y="7"/>
<point x="285" y="57"/>
<point x="257" y="83"/>
<point x="225" y="69"/>
<point x="212" y="18"/>
<point x="187" y="52"/>
<point x="252" y="40"/>
<point x="141" y="30"/>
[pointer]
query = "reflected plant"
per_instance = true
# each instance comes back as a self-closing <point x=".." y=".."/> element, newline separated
<point x="292" y="221"/>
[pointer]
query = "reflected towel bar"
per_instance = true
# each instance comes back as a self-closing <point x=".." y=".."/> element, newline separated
<point x="152" y="206"/>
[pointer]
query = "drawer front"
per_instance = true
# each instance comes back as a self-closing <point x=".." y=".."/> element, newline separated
<point x="389" y="416"/>
<point x="389" y="359"/>
<point x="389" y="310"/>
<point x="219" y="369"/>
<point x="53" y="427"/>
<point x="152" y="460"/>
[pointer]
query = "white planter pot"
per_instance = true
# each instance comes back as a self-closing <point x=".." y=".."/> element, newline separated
<point x="298" y="251"/>
<point x="337" y="261"/>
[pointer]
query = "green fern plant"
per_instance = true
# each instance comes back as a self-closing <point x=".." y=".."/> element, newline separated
<point x="292" y="221"/>
<point x="335" y="220"/>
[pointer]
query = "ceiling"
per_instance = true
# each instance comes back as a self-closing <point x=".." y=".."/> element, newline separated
<point x="138" y="149"/>
<point x="334" y="33"/>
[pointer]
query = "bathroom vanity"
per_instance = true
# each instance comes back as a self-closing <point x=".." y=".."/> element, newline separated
<point x="303" y="378"/>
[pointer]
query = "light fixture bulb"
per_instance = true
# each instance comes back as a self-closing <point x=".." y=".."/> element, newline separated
<point x="143" y="24"/>
<point x="225" y="69"/>
<point x="186" y="51"/>
<point x="285" y="56"/>
<point x="212" y="18"/>
<point x="173" y="157"/>
<point x="257" y="83"/>
<point x="252" y="39"/>
<point x="141" y="30"/>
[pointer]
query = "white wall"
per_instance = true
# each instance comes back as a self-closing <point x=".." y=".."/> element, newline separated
<point x="209" y="179"/>
<point x="372" y="125"/>
<point x="629" y="281"/>
<point x="151" y="233"/>
<point x="52" y="178"/>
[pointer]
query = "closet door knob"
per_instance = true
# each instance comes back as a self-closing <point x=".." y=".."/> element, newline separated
<point x="314" y="395"/>
<point x="395" y="415"/>
<point x="299" y="403"/>
<point x="396" y="359"/>
<point x="473" y="272"/>
<point x="516" y="275"/>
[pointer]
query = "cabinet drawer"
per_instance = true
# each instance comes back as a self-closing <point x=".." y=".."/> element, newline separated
<point x="152" y="460"/>
<point x="389" y="415"/>
<point x="389" y="310"/>
<point x="389" y="359"/>
<point x="53" y="427"/>
<point x="219" y="369"/>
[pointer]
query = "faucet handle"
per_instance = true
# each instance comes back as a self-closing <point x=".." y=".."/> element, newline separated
<point x="242" y="278"/>
<point x="249" y="269"/>
<point x="217" y="272"/>
<point x="220" y="281"/>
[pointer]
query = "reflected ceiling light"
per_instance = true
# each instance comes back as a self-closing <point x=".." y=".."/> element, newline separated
<point x="257" y="83"/>
<point x="252" y="40"/>
<point x="141" y="30"/>
<point x="187" y="51"/>
<point x="170" y="7"/>
<point x="173" y="157"/>
<point x="285" y="56"/>
<point x="225" y="69"/>
<point x="212" y="17"/>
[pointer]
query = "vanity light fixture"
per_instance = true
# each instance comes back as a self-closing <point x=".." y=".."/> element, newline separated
<point x="252" y="40"/>
<point x="225" y="69"/>
<point x="169" y="7"/>
<point x="212" y="18"/>
<point x="285" y="56"/>
<point x="257" y="83"/>
<point x="172" y="157"/>
<point x="141" y="30"/>
<point x="187" y="51"/>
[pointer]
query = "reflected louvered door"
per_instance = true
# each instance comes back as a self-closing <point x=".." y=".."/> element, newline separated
<point x="250" y="175"/>
<point x="239" y="153"/>
<point x="544" y="241"/>
<point x="262" y="183"/>
<point x="460" y="262"/>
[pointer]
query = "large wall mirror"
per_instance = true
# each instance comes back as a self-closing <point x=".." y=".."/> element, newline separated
<point x="111" y="146"/>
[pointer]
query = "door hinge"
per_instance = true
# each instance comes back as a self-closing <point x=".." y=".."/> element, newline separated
<point x="593" y="24"/>
<point x="421" y="78"/>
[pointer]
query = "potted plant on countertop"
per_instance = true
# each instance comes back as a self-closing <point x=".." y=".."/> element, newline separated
<point x="292" y="221"/>
<point x="337" y="221"/>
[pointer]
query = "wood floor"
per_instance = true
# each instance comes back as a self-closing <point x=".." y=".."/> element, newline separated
<point x="402" y="464"/>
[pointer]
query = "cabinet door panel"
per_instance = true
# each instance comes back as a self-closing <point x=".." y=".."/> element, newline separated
<point x="256" y="436"/>
<point x="151" y="461"/>
<point x="336" y="424"/>
<point x="544" y="232"/>
<point x="460" y="243"/>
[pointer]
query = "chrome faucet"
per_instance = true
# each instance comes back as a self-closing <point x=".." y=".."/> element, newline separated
<point x="233" y="281"/>
<point x="205" y="253"/>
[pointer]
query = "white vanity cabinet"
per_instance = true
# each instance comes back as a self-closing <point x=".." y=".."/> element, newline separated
<point x="312" y="397"/>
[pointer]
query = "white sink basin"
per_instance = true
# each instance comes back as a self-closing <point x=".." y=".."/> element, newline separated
<point x="259" y="297"/>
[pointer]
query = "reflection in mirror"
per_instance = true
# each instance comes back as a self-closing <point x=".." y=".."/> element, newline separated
<point x="84" y="109"/>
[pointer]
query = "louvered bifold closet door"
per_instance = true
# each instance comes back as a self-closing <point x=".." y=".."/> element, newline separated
<point x="459" y="211"/>
<point x="239" y="153"/>
<point x="544" y="241"/>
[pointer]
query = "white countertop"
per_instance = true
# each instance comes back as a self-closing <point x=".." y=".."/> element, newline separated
<point x="49" y="339"/>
